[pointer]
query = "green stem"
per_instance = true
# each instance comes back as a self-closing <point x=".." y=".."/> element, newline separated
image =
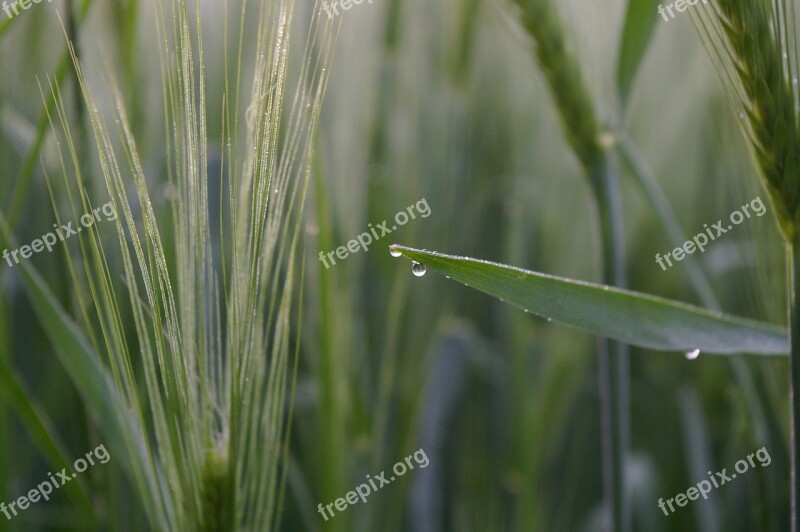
<point x="613" y="370"/>
<point x="583" y="130"/>
<point x="5" y="416"/>
<point x="334" y="405"/>
<point x="217" y="505"/>
<point x="648" y="183"/>
<point x="793" y="292"/>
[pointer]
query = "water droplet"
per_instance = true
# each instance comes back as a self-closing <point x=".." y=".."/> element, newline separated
<point x="691" y="355"/>
<point x="785" y="55"/>
<point x="549" y="319"/>
<point x="418" y="269"/>
<point x="741" y="115"/>
<point x="394" y="252"/>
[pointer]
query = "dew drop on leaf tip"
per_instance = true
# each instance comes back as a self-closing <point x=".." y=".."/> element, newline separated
<point x="692" y="355"/>
<point x="418" y="269"/>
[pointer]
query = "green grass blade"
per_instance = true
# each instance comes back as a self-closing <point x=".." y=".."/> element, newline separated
<point x="6" y="432"/>
<point x="43" y="435"/>
<point x="5" y="24"/>
<point x="631" y="317"/>
<point x="77" y="357"/>
<point x="639" y="22"/>
<point x="697" y="448"/>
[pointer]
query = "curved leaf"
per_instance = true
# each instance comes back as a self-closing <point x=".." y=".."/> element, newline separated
<point x="631" y="317"/>
<point x="80" y="361"/>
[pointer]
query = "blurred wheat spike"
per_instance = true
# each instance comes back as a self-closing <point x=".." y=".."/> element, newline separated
<point x="753" y="44"/>
<point x="575" y="106"/>
<point x="205" y="381"/>
<point x="582" y="130"/>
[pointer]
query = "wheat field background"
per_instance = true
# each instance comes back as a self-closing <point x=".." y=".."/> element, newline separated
<point x="362" y="364"/>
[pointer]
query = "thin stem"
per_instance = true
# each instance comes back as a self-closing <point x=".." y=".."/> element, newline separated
<point x="582" y="131"/>
<point x="5" y="414"/>
<point x="793" y="291"/>
<point x="334" y="401"/>
<point x="613" y="366"/>
<point x="648" y="183"/>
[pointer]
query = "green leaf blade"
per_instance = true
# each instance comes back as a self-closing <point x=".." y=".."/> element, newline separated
<point x="635" y="318"/>
<point x="80" y="361"/>
<point x="639" y="22"/>
<point x="43" y="434"/>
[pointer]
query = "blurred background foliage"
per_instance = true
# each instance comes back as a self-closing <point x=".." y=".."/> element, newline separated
<point x="443" y="101"/>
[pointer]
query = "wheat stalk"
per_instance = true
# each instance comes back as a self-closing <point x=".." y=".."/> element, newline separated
<point x="583" y="132"/>
<point x="754" y="46"/>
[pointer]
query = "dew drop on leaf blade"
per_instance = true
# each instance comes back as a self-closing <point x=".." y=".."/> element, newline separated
<point x="418" y="269"/>
<point x="692" y="355"/>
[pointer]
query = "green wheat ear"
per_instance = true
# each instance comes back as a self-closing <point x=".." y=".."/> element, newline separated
<point x="562" y="70"/>
<point x="205" y="384"/>
<point x="217" y="499"/>
<point x="753" y="43"/>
